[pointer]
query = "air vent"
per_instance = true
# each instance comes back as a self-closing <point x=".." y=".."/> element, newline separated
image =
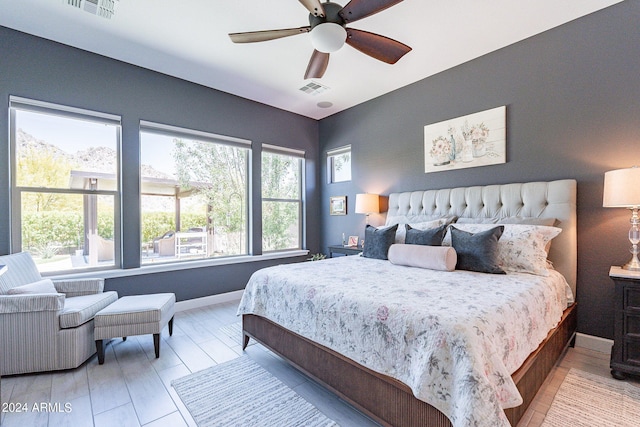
<point x="103" y="8"/>
<point x="314" y="88"/>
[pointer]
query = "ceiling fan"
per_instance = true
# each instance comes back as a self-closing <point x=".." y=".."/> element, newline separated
<point x="327" y="25"/>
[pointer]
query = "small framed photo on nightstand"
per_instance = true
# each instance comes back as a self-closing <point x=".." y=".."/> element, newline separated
<point x="353" y="241"/>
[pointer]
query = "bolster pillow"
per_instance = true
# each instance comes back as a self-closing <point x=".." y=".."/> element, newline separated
<point x="431" y="257"/>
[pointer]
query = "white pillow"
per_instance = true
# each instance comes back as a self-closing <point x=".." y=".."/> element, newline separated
<point x="521" y="248"/>
<point x="442" y="258"/>
<point x="44" y="286"/>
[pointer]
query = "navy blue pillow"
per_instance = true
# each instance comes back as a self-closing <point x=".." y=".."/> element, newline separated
<point x="378" y="241"/>
<point x="479" y="251"/>
<point x="429" y="237"/>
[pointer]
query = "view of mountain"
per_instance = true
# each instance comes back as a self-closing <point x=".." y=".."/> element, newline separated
<point x="97" y="159"/>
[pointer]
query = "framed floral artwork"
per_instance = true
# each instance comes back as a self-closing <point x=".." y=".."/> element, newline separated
<point x="338" y="205"/>
<point x="477" y="139"/>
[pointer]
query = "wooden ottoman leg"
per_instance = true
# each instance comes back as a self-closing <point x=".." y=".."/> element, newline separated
<point x="100" y="350"/>
<point x="156" y="344"/>
<point x="171" y="326"/>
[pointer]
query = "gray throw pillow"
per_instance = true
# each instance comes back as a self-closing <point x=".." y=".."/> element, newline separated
<point x="428" y="237"/>
<point x="377" y="241"/>
<point x="479" y="251"/>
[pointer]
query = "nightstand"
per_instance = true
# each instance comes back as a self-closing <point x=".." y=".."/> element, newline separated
<point x="345" y="250"/>
<point x="625" y="356"/>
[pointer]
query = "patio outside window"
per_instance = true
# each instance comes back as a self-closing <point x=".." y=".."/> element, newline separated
<point x="65" y="191"/>
<point x="193" y="194"/>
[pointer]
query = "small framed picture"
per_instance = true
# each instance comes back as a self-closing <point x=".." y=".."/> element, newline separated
<point x="338" y="205"/>
<point x="353" y="241"/>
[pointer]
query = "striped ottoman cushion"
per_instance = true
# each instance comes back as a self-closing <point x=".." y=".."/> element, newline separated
<point x="134" y="315"/>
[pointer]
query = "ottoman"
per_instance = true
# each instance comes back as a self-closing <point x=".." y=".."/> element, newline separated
<point x="134" y="315"/>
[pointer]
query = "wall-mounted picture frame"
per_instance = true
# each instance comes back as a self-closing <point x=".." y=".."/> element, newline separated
<point x="477" y="139"/>
<point x="338" y="205"/>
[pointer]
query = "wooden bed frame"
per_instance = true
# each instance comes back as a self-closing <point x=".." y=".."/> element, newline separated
<point x="391" y="402"/>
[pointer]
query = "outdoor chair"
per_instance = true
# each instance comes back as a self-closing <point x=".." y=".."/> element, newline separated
<point x="165" y="245"/>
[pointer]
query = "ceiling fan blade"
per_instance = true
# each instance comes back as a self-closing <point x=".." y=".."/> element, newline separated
<point x="379" y="47"/>
<point x="314" y="7"/>
<point x="358" y="9"/>
<point x="261" y="36"/>
<point x="317" y="65"/>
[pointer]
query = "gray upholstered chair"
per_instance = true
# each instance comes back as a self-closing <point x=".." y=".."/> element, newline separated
<point x="46" y="325"/>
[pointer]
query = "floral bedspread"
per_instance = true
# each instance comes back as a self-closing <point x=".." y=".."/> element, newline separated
<point x="454" y="338"/>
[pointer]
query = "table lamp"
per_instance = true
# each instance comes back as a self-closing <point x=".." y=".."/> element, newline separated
<point x="367" y="204"/>
<point x="622" y="190"/>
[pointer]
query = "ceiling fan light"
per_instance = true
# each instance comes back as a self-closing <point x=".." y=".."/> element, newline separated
<point x="328" y="37"/>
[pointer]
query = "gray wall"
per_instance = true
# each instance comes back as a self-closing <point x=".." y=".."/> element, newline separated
<point x="36" y="68"/>
<point x="573" y="111"/>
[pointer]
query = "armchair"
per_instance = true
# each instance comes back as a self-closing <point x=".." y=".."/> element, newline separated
<point x="46" y="325"/>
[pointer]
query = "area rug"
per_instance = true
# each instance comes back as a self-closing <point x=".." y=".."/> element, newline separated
<point x="589" y="400"/>
<point x="241" y="393"/>
<point x="234" y="331"/>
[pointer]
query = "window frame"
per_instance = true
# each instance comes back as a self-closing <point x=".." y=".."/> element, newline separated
<point x="57" y="110"/>
<point x="206" y="137"/>
<point x="331" y="155"/>
<point x="300" y="154"/>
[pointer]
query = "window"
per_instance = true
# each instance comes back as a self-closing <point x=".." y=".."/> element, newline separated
<point x="339" y="164"/>
<point x="194" y="194"/>
<point x="65" y="185"/>
<point x="282" y="201"/>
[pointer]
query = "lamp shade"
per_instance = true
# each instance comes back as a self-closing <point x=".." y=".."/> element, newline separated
<point x="328" y="37"/>
<point x="367" y="203"/>
<point x="622" y="188"/>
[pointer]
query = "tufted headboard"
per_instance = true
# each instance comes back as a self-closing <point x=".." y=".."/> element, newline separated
<point x="554" y="199"/>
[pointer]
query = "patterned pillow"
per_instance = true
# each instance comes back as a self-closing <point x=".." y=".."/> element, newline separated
<point x="522" y="248"/>
<point x="509" y="220"/>
<point x="377" y="241"/>
<point x="428" y="237"/>
<point x="479" y="251"/>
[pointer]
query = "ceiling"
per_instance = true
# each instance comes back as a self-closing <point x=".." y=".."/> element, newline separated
<point x="188" y="39"/>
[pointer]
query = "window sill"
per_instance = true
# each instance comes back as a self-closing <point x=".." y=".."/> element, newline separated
<point x="176" y="266"/>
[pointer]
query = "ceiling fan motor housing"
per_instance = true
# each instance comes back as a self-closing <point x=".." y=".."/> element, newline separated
<point x="332" y="14"/>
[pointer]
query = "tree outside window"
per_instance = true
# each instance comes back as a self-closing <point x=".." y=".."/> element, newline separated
<point x="281" y="200"/>
<point x="194" y="195"/>
<point x="64" y="192"/>
<point x="339" y="164"/>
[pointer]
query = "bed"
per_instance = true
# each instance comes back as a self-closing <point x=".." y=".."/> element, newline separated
<point x="379" y="384"/>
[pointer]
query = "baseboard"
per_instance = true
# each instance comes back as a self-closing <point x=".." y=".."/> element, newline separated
<point x="594" y="343"/>
<point x="209" y="300"/>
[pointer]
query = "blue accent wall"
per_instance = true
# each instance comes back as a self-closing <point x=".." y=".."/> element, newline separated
<point x="573" y="111"/>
